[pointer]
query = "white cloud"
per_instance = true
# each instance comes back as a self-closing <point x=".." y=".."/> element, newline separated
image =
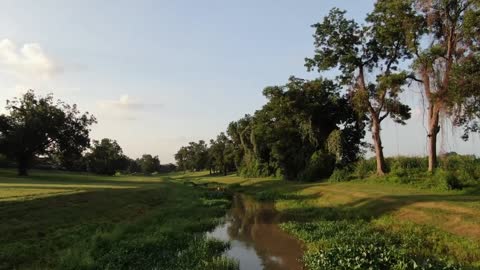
<point x="26" y="61"/>
<point x="126" y="103"/>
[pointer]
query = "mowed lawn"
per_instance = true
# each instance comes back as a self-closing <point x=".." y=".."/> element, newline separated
<point x="58" y="220"/>
<point x="45" y="183"/>
<point x="456" y="211"/>
<point x="81" y="221"/>
<point x="449" y="219"/>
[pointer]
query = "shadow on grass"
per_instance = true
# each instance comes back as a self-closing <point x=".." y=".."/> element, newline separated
<point x="361" y="208"/>
<point x="32" y="232"/>
<point x="67" y="180"/>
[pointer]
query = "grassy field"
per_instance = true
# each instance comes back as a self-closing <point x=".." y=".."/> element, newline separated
<point x="426" y="225"/>
<point x="54" y="220"/>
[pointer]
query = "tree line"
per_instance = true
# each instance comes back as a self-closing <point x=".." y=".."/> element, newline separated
<point x="309" y="127"/>
<point x="40" y="130"/>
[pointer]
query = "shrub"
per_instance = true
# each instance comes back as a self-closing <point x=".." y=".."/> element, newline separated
<point x="372" y="256"/>
<point x="340" y="175"/>
<point x="268" y="195"/>
<point x="365" y="167"/>
<point x="465" y="168"/>
<point x="321" y="165"/>
<point x="345" y="244"/>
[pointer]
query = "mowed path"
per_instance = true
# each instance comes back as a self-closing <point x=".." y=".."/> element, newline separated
<point x="43" y="184"/>
<point x="454" y="212"/>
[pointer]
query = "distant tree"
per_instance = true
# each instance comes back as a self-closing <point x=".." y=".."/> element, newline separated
<point x="106" y="157"/>
<point x="149" y="164"/>
<point x="181" y="157"/>
<point x="360" y="52"/>
<point x="133" y="166"/>
<point x="199" y="155"/>
<point x="222" y="154"/>
<point x="193" y="157"/>
<point x="36" y="126"/>
<point x="167" y="168"/>
<point x="238" y="131"/>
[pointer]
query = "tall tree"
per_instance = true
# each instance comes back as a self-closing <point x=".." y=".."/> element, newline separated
<point x="37" y="125"/>
<point x="362" y="52"/>
<point x="445" y="42"/>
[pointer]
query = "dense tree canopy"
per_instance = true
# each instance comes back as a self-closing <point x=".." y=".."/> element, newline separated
<point x="36" y="126"/>
<point x="106" y="157"/>
<point x="305" y="128"/>
<point x="148" y="164"/>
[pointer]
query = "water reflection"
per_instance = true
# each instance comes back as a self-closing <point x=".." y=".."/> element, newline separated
<point x="256" y="240"/>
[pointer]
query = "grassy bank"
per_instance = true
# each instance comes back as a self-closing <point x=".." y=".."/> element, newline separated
<point x="367" y="223"/>
<point x="54" y="220"/>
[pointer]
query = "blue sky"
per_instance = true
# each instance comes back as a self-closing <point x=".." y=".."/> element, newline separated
<point x="158" y="74"/>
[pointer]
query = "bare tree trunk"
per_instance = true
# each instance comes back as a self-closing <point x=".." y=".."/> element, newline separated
<point x="377" y="141"/>
<point x="433" y="129"/>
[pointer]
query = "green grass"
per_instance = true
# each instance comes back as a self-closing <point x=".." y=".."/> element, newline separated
<point x="56" y="220"/>
<point x="403" y="225"/>
<point x="53" y="220"/>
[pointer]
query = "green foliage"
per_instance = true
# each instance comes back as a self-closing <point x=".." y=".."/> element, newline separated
<point x="194" y="157"/>
<point x="168" y="251"/>
<point x="345" y="244"/>
<point x="37" y="126"/>
<point x="407" y="168"/>
<point x="444" y="180"/>
<point x="364" y="168"/>
<point x="465" y="168"/>
<point x="340" y="175"/>
<point x="154" y="225"/>
<point x="148" y="164"/>
<point x="294" y="125"/>
<point x="290" y="136"/>
<point x="376" y="48"/>
<point x="106" y="157"/>
<point x="221" y="154"/>
<point x="320" y="166"/>
<point x="454" y="172"/>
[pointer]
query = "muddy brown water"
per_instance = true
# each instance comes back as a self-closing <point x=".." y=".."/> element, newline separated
<point x="256" y="240"/>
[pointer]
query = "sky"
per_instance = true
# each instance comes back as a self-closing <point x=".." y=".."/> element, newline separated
<point x="157" y="74"/>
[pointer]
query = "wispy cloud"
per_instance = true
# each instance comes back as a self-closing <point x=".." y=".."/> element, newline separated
<point x="26" y="61"/>
<point x="126" y="103"/>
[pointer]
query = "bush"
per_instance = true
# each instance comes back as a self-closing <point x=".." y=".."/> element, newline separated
<point x="372" y="256"/>
<point x="444" y="180"/>
<point x="365" y="167"/>
<point x="340" y="175"/>
<point x="321" y="165"/>
<point x="465" y="168"/>
<point x="345" y="244"/>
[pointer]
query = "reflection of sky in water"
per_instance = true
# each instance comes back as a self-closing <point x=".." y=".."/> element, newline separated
<point x="255" y="241"/>
<point x="245" y="254"/>
<point x="276" y="259"/>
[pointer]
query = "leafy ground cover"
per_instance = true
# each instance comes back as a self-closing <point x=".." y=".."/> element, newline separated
<point x="370" y="224"/>
<point x="53" y="220"/>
